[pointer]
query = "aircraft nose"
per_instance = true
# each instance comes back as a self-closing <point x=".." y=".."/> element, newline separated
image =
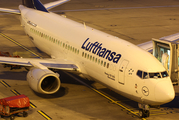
<point x="164" y="92"/>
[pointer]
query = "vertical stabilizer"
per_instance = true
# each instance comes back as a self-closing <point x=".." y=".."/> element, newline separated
<point x="36" y="4"/>
<point x="28" y="3"/>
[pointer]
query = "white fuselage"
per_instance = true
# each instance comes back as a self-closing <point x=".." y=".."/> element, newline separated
<point x="108" y="59"/>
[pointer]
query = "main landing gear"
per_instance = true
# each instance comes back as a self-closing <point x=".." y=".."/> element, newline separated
<point x="144" y="110"/>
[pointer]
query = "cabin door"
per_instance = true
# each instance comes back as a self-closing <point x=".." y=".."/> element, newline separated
<point x="122" y="70"/>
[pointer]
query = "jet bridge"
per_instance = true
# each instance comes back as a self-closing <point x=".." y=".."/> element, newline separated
<point x="166" y="50"/>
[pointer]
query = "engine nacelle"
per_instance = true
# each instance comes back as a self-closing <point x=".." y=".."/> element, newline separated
<point x="43" y="81"/>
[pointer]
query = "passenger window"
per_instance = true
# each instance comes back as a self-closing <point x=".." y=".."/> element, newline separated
<point x="96" y="60"/>
<point x="104" y="64"/>
<point x="82" y="54"/>
<point x="108" y="65"/>
<point x="90" y="57"/>
<point x="139" y="73"/>
<point x="66" y="46"/>
<point x="101" y="62"/>
<point x="93" y="59"/>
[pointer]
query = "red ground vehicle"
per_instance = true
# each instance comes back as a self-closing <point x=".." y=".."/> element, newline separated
<point x="7" y="54"/>
<point x="14" y="105"/>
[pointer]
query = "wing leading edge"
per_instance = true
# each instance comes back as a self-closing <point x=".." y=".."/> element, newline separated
<point x="14" y="11"/>
<point x="40" y="63"/>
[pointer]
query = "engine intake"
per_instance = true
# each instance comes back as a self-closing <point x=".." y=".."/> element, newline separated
<point x="43" y="80"/>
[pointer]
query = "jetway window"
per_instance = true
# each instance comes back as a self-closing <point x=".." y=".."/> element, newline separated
<point x="163" y="54"/>
<point x="163" y="50"/>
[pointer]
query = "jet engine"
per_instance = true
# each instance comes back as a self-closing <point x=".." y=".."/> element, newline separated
<point x="43" y="80"/>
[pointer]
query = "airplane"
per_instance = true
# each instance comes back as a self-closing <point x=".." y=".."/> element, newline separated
<point x="114" y="62"/>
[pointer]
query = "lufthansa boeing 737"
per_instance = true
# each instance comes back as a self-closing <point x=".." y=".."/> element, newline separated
<point x="116" y="63"/>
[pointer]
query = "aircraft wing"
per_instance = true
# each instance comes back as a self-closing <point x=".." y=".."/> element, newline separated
<point x="47" y="6"/>
<point x="10" y="10"/>
<point x="54" y="4"/>
<point x="40" y="63"/>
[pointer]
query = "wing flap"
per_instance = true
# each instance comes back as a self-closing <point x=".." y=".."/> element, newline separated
<point x="35" y="62"/>
<point x="54" y="4"/>
<point x="10" y="10"/>
<point x="60" y="66"/>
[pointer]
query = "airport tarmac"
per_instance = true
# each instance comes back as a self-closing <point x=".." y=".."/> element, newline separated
<point x="135" y="21"/>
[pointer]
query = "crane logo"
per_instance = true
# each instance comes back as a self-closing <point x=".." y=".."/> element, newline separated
<point x="145" y="91"/>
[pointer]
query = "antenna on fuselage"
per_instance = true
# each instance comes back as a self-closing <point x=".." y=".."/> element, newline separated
<point x="84" y="25"/>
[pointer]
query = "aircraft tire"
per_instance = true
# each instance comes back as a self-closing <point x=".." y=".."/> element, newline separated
<point x="141" y="113"/>
<point x="144" y="113"/>
<point x="147" y="113"/>
<point x="25" y="114"/>
<point x="12" y="117"/>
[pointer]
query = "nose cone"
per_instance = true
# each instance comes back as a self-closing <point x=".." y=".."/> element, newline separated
<point x="164" y="92"/>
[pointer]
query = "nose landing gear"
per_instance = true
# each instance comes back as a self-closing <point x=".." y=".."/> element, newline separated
<point x="144" y="110"/>
<point x="144" y="113"/>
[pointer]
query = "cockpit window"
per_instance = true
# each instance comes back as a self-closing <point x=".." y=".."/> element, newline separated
<point x="145" y="75"/>
<point x="154" y="75"/>
<point x="164" y="74"/>
<point x="139" y="73"/>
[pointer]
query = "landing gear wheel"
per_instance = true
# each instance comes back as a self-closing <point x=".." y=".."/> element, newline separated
<point x="25" y="114"/>
<point x="147" y="113"/>
<point x="12" y="117"/>
<point x="141" y="113"/>
<point x="144" y="113"/>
